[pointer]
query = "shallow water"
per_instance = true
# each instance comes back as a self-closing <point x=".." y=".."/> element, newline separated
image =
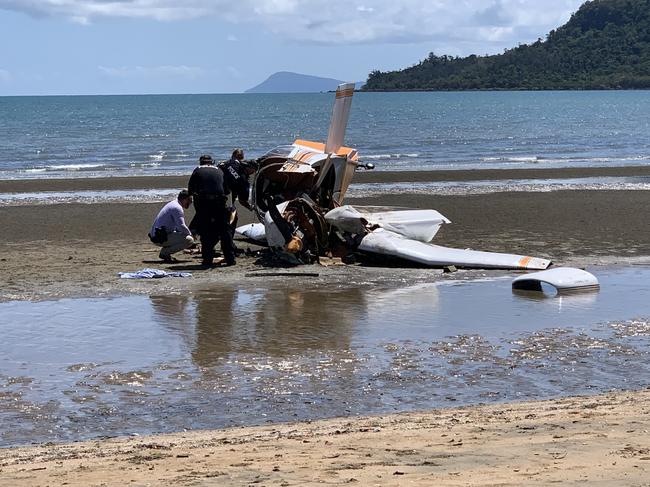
<point x="224" y="356"/>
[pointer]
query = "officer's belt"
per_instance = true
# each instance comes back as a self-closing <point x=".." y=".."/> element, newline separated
<point x="211" y="197"/>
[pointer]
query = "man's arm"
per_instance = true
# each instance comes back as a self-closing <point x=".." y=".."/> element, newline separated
<point x="179" y="222"/>
<point x="183" y="225"/>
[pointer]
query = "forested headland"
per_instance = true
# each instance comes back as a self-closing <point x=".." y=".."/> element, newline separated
<point x="605" y="45"/>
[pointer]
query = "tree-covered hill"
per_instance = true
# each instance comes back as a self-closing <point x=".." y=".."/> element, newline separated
<point x="605" y="45"/>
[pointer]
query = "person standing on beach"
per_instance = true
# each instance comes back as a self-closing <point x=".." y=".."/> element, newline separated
<point x="236" y="173"/>
<point x="207" y="187"/>
<point x="169" y="229"/>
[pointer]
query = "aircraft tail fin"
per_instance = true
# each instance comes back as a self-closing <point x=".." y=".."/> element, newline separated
<point x="340" y="115"/>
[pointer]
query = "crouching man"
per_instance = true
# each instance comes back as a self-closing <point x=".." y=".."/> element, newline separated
<point x="169" y="229"/>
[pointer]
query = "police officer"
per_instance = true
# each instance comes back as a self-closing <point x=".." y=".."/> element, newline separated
<point x="207" y="186"/>
<point x="236" y="173"/>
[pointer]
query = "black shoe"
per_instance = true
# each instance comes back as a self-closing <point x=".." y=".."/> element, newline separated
<point x="229" y="263"/>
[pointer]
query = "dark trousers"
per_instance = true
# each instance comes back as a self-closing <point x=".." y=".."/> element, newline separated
<point x="232" y="226"/>
<point x="211" y="221"/>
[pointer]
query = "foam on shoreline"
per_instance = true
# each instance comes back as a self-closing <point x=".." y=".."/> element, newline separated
<point x="448" y="188"/>
<point x="179" y="181"/>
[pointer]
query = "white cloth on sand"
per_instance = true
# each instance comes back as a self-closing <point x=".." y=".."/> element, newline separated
<point x="152" y="274"/>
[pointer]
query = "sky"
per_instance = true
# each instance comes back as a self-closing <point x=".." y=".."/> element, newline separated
<point x="68" y="47"/>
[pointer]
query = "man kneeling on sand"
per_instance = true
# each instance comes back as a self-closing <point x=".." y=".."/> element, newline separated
<point x="169" y="229"/>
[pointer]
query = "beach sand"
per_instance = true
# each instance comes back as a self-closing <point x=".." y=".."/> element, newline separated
<point x="70" y="250"/>
<point x="599" y="440"/>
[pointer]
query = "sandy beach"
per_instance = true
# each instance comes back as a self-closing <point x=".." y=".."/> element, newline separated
<point x="599" y="440"/>
<point x="77" y="249"/>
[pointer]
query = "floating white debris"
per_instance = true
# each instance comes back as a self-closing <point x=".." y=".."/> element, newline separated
<point x="563" y="279"/>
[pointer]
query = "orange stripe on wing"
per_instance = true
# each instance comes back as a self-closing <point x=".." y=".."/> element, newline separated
<point x="318" y="146"/>
<point x="302" y="155"/>
<point x="524" y="261"/>
<point x="307" y="155"/>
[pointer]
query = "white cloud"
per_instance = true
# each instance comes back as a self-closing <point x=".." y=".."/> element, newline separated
<point x="85" y="11"/>
<point x="5" y="76"/>
<point x="187" y="72"/>
<point x="338" y="21"/>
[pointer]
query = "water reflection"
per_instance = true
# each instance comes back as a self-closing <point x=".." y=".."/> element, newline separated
<point x="215" y="326"/>
<point x="225" y="356"/>
<point x="298" y="319"/>
<point x="217" y="323"/>
<point x="575" y="299"/>
<point x="174" y="313"/>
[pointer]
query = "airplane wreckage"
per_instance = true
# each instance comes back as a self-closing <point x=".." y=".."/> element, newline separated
<point x="298" y="192"/>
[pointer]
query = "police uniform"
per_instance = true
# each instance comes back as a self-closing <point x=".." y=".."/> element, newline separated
<point x="237" y="184"/>
<point x="207" y="186"/>
<point x="236" y="180"/>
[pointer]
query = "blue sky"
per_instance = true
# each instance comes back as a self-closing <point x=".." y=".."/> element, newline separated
<point x="215" y="46"/>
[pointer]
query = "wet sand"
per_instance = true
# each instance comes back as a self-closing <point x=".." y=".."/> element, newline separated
<point x="599" y="440"/>
<point x="52" y="251"/>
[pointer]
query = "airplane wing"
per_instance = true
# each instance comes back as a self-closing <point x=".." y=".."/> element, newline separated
<point x="421" y="225"/>
<point x="405" y="233"/>
<point x="402" y="233"/>
<point x="385" y="242"/>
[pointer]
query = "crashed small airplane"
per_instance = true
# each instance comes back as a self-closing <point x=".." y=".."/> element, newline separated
<point x="298" y="192"/>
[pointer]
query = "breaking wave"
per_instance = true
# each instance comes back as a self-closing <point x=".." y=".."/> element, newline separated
<point x="157" y="157"/>
<point x="390" y="156"/>
<point x="500" y="186"/>
<point x="512" y="159"/>
<point x="69" y="167"/>
<point x="108" y="196"/>
<point x="564" y="161"/>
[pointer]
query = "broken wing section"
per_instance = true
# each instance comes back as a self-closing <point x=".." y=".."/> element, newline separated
<point x="420" y="225"/>
<point x="406" y="233"/>
<point x="385" y="242"/>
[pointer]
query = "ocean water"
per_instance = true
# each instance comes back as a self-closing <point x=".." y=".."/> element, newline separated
<point x="85" y="136"/>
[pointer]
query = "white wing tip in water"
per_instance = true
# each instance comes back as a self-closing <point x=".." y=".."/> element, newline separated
<point x="564" y="279"/>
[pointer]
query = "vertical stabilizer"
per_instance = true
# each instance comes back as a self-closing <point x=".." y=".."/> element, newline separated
<point x="340" y="115"/>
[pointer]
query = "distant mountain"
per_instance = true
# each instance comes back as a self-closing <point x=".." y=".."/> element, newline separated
<point x="605" y="45"/>
<point x="286" y="82"/>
